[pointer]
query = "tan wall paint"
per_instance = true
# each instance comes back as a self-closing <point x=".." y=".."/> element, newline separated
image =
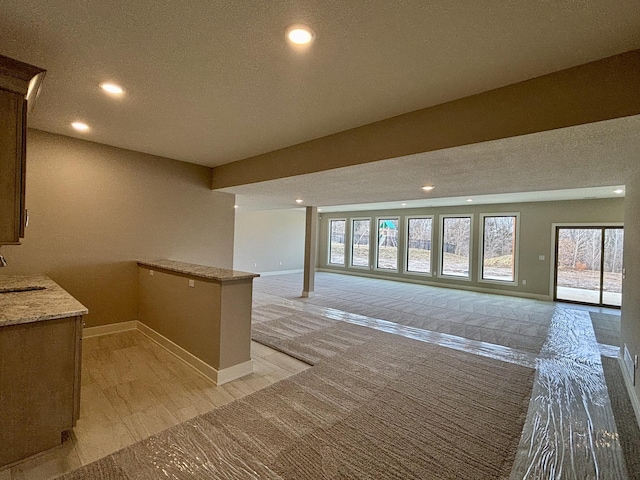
<point x="95" y="210"/>
<point x="630" y="328"/>
<point x="596" y="91"/>
<point x="267" y="238"/>
<point x="163" y="298"/>
<point x="235" y="326"/>
<point x="310" y="251"/>
<point x="536" y="221"/>
<point x="210" y="320"/>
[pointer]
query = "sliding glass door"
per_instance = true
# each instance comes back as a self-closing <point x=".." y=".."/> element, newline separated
<point x="589" y="265"/>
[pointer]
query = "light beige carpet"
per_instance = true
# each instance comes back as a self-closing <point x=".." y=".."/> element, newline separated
<point x="387" y="407"/>
<point x="518" y="323"/>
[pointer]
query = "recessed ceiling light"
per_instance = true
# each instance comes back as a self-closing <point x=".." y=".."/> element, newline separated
<point x="299" y="200"/>
<point x="426" y="188"/>
<point x="319" y="209"/>
<point x="112" y="88"/>
<point x="235" y="206"/>
<point x="80" y="126"/>
<point x="618" y="191"/>
<point x="300" y="34"/>
<point x="469" y="200"/>
<point x="403" y="204"/>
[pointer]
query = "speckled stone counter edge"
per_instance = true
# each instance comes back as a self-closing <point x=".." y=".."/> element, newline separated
<point x="200" y="271"/>
<point x="51" y="303"/>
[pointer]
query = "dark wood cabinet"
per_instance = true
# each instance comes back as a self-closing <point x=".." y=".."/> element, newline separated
<point x="19" y="84"/>
<point x="39" y="385"/>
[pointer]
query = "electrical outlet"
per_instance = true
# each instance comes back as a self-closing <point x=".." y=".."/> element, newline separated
<point x="151" y="273"/>
<point x="255" y="264"/>
<point x="524" y="282"/>
<point x="280" y="263"/>
<point x="192" y="283"/>
<point x="541" y="257"/>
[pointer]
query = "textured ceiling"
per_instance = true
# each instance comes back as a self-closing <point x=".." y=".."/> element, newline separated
<point x="587" y="161"/>
<point x="211" y="82"/>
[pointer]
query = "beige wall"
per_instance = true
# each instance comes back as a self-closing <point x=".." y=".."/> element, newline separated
<point x="536" y="221"/>
<point x="630" y="328"/>
<point x="94" y="210"/>
<point x="269" y="241"/>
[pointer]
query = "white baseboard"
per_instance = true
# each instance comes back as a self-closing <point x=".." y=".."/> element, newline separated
<point x="219" y="377"/>
<point x="109" y="329"/>
<point x="280" y="272"/>
<point x="630" y="388"/>
<point x="237" y="371"/>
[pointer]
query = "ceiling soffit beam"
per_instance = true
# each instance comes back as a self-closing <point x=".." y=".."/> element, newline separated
<point x="596" y="91"/>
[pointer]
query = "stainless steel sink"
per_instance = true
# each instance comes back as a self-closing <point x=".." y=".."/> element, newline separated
<point x="30" y="288"/>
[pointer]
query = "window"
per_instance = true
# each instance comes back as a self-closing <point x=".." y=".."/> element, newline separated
<point x="456" y="239"/>
<point x="387" y="257"/>
<point x="336" y="242"/>
<point x="499" y="247"/>
<point x="360" y="233"/>
<point x="588" y="266"/>
<point x="419" y="244"/>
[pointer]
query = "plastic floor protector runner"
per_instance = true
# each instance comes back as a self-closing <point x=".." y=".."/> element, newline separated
<point x="569" y="431"/>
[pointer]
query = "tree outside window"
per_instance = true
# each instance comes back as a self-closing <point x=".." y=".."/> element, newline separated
<point x="336" y="242"/>
<point x="456" y="238"/>
<point x="360" y="233"/>
<point x="499" y="247"/>
<point x="387" y="243"/>
<point x="419" y="245"/>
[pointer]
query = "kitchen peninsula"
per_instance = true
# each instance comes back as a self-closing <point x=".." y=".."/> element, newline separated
<point x="202" y="314"/>
<point x="40" y="359"/>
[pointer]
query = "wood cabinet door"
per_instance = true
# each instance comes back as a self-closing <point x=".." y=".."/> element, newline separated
<point x="39" y="386"/>
<point x="12" y="147"/>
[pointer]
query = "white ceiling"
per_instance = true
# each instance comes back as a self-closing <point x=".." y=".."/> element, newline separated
<point x="492" y="199"/>
<point x="210" y="82"/>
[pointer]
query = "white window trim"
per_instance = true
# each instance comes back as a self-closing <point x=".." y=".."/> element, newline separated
<point x="344" y="261"/>
<point x="442" y="243"/>
<point x="351" y="265"/>
<point x="516" y="251"/>
<point x="406" y="270"/>
<point x="375" y="260"/>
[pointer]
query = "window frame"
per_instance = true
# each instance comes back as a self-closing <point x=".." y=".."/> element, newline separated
<point x="516" y="249"/>
<point x="406" y="246"/>
<point x="344" y="258"/>
<point x="469" y="277"/>
<point x="377" y="251"/>
<point x="351" y="235"/>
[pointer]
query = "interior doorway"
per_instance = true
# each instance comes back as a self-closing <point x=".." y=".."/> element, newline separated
<point x="588" y="265"/>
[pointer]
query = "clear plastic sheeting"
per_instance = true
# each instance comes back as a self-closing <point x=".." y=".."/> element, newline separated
<point x="609" y="351"/>
<point x="570" y="431"/>
<point x="476" y="347"/>
<point x="484" y="349"/>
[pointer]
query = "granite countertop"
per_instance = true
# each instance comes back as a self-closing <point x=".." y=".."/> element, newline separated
<point x="45" y="301"/>
<point x="200" y="271"/>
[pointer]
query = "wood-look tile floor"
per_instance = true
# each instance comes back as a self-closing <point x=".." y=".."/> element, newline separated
<point x="133" y="388"/>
